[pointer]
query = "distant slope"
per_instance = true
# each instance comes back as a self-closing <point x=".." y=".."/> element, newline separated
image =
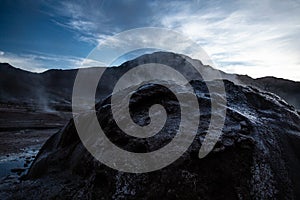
<point x="17" y="84"/>
<point x="286" y="89"/>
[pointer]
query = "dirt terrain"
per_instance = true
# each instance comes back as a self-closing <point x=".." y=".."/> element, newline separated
<point x="24" y="128"/>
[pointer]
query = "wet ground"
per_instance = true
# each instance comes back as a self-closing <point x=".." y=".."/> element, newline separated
<point x="17" y="163"/>
<point x="19" y="148"/>
<point x="23" y="131"/>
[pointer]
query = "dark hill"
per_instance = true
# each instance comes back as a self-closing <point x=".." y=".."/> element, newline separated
<point x="54" y="87"/>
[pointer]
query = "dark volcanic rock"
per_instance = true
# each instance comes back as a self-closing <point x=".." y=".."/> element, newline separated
<point x="257" y="157"/>
<point x="17" y="170"/>
<point x="286" y="89"/>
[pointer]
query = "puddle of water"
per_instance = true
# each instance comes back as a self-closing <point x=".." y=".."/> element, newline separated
<point x="17" y="161"/>
<point x="8" y="165"/>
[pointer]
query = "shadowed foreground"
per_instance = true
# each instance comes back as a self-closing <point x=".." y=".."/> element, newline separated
<point x="255" y="158"/>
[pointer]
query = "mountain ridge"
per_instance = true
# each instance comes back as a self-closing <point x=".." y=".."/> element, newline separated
<point x="46" y="82"/>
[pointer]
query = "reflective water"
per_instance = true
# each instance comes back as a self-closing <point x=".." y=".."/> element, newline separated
<point x="17" y="161"/>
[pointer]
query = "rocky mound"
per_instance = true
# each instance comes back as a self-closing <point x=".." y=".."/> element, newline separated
<point x="257" y="157"/>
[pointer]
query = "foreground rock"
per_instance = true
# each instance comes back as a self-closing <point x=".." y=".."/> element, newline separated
<point x="257" y="157"/>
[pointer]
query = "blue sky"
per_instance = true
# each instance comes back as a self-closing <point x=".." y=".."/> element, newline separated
<point x="258" y="38"/>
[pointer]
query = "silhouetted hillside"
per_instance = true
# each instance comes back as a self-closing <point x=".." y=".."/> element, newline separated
<point x="53" y="88"/>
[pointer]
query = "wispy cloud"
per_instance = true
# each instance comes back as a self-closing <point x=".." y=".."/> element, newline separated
<point x="38" y="62"/>
<point x="27" y="63"/>
<point x="86" y="19"/>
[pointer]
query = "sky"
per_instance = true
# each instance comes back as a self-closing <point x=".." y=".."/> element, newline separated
<point x="257" y="38"/>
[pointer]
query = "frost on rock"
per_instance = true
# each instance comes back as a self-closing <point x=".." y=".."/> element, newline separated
<point x="262" y="181"/>
<point x="123" y="187"/>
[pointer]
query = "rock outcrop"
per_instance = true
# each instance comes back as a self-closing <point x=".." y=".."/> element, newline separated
<point x="257" y="156"/>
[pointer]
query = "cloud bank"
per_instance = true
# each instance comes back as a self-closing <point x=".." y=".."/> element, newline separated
<point x="38" y="62"/>
<point x="257" y="38"/>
